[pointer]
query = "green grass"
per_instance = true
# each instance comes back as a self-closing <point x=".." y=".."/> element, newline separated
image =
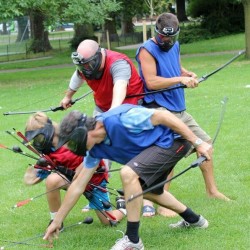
<point x="229" y="221"/>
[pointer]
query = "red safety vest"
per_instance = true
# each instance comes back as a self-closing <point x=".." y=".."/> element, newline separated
<point x="103" y="88"/>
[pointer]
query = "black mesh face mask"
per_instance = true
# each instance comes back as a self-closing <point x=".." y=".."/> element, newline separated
<point x="77" y="139"/>
<point x="42" y="138"/>
<point x="171" y="37"/>
<point x="88" y="67"/>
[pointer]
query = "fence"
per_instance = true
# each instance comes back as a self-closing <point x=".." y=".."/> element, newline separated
<point x="12" y="50"/>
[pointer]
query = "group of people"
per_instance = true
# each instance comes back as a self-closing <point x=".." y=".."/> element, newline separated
<point x="44" y="136"/>
<point x="147" y="133"/>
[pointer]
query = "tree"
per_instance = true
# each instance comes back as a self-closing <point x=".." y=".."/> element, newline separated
<point x="39" y="13"/>
<point x="47" y="12"/>
<point x="40" y="41"/>
<point x="246" y="4"/>
<point x="181" y="10"/>
<point x="88" y="13"/>
<point x="219" y="16"/>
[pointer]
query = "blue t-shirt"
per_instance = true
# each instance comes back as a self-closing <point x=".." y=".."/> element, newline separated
<point x="168" y="66"/>
<point x="129" y="132"/>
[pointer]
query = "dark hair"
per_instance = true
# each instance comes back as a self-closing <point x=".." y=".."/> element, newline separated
<point x="73" y="120"/>
<point x="167" y="20"/>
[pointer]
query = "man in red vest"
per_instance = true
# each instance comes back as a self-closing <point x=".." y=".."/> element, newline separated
<point x="111" y="75"/>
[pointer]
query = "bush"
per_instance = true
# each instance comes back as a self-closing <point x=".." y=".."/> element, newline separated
<point x="220" y="17"/>
<point x="193" y="34"/>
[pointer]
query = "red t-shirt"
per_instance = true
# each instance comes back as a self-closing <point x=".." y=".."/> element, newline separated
<point x="64" y="157"/>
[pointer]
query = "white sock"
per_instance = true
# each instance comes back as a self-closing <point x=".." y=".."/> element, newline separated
<point x="53" y="215"/>
<point x="123" y="210"/>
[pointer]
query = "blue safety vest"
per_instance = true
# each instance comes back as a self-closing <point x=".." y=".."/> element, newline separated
<point x="123" y="144"/>
<point x="167" y="65"/>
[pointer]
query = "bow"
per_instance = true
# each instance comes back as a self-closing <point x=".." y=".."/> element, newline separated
<point x="195" y="163"/>
<point x="53" y="109"/>
<point x="87" y="220"/>
<point x="202" y="79"/>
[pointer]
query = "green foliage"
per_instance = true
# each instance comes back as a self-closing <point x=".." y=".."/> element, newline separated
<point x="218" y="16"/>
<point x="12" y="8"/>
<point x="87" y="11"/>
<point x="193" y="33"/>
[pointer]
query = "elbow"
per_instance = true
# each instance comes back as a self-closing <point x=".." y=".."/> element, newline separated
<point x="151" y="85"/>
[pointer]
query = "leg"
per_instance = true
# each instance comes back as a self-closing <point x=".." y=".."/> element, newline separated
<point x="131" y="185"/>
<point x="208" y="175"/>
<point x="99" y="200"/>
<point x="206" y="167"/>
<point x="103" y="216"/>
<point x="163" y="210"/>
<point x="167" y="200"/>
<point x="54" y="181"/>
<point x="190" y="218"/>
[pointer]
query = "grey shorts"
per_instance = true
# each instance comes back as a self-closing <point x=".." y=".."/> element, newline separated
<point x="187" y="119"/>
<point x="154" y="164"/>
<point x="193" y="125"/>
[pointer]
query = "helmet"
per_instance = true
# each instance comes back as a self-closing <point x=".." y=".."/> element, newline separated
<point x="42" y="138"/>
<point x="74" y="132"/>
<point x="88" y="67"/>
<point x="167" y="25"/>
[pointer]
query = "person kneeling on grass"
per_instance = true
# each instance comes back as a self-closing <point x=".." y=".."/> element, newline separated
<point x="143" y="140"/>
<point x="43" y="134"/>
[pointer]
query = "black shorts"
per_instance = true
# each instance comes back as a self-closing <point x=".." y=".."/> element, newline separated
<point x="154" y="164"/>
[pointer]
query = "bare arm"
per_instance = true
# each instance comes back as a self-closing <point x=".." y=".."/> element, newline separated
<point x="73" y="194"/>
<point x="119" y="93"/>
<point x="74" y="85"/>
<point x="166" y="118"/>
<point x="121" y="74"/>
<point x="153" y="81"/>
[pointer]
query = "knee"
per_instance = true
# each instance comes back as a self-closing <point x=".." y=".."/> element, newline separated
<point x="52" y="181"/>
<point x="128" y="175"/>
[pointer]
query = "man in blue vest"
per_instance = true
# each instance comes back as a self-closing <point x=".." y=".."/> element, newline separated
<point x="144" y="141"/>
<point x="160" y="68"/>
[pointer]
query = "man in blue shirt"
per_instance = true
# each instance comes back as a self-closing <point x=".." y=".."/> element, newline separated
<point x="144" y="141"/>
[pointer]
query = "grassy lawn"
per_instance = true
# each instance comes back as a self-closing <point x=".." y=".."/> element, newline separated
<point x="229" y="221"/>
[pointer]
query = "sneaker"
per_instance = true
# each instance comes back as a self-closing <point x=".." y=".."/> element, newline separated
<point x="61" y="228"/>
<point x="125" y="244"/>
<point x="201" y="223"/>
<point x="86" y="208"/>
<point x="120" y="203"/>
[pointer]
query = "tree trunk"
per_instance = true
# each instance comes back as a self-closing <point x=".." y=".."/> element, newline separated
<point x="127" y="25"/>
<point x="40" y="42"/>
<point x="23" y="30"/>
<point x="110" y="25"/>
<point x="82" y="32"/>
<point x="4" y="31"/>
<point x="181" y="10"/>
<point x="246" y="4"/>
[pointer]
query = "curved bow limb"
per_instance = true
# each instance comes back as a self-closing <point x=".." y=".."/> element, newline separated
<point x="53" y="109"/>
